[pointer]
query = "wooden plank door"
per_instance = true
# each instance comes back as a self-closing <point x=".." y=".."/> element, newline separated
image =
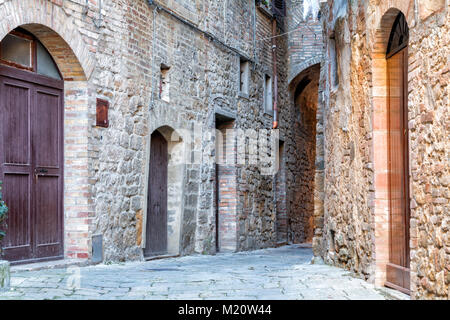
<point x="16" y="169"/>
<point x="156" y="234"/>
<point x="398" y="273"/>
<point x="31" y="165"/>
<point x="48" y="171"/>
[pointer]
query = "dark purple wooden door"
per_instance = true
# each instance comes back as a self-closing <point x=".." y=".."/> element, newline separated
<point x="31" y="164"/>
<point x="398" y="272"/>
<point x="156" y="235"/>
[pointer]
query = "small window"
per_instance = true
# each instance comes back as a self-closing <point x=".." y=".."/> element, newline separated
<point x="17" y="50"/>
<point x="243" y="77"/>
<point x="334" y="75"/>
<point x="268" y="103"/>
<point x="20" y="49"/>
<point x="45" y="64"/>
<point x="279" y="8"/>
<point x="164" y="86"/>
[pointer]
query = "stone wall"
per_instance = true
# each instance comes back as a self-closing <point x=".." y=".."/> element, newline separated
<point x="5" y="275"/>
<point x="202" y="54"/>
<point x="356" y="229"/>
<point x="117" y="52"/>
<point x="347" y="235"/>
<point x="281" y="198"/>
<point x="429" y="149"/>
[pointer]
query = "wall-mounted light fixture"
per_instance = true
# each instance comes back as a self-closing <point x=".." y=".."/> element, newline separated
<point x="97" y="21"/>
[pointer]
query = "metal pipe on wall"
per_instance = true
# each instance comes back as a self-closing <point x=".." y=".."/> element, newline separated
<point x="275" y="76"/>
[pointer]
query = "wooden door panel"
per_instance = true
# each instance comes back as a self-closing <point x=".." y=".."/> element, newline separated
<point x="48" y="218"/>
<point x="15" y="122"/>
<point x="16" y="167"/>
<point x="47" y="156"/>
<point x="17" y="244"/>
<point x="157" y="197"/>
<point x="31" y="165"/>
<point x="398" y="267"/>
<point x="47" y="122"/>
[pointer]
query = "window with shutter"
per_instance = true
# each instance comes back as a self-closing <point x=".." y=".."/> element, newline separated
<point x="279" y="8"/>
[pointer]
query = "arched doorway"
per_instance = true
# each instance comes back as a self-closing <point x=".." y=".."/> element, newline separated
<point x="164" y="206"/>
<point x="397" y="271"/>
<point x="302" y="198"/>
<point x="31" y="148"/>
<point x="156" y="229"/>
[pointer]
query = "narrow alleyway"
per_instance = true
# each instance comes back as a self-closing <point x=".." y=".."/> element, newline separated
<point x="281" y="273"/>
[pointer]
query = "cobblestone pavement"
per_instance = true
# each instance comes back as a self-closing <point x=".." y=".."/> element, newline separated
<point x="280" y="273"/>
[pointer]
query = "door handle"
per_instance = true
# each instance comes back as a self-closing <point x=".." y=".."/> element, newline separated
<point x="38" y="172"/>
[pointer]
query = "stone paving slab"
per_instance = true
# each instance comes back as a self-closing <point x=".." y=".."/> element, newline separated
<point x="283" y="273"/>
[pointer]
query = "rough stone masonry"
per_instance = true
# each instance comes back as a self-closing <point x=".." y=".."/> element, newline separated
<point x="175" y="67"/>
<point x="185" y="68"/>
<point x="356" y="215"/>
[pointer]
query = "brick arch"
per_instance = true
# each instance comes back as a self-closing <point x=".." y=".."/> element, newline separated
<point x="312" y="71"/>
<point x="300" y="68"/>
<point x="380" y="133"/>
<point x="170" y="118"/>
<point x="48" y="22"/>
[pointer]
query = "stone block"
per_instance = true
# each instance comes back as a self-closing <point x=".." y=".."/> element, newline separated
<point x="428" y="7"/>
<point x="4" y="275"/>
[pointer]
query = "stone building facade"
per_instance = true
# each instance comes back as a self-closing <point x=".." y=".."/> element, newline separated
<point x="189" y="77"/>
<point x="187" y="70"/>
<point x="358" y="216"/>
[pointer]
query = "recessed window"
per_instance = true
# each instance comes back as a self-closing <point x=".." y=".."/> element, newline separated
<point x="244" y="76"/>
<point x="268" y="103"/>
<point x="334" y="75"/>
<point x="164" y="84"/>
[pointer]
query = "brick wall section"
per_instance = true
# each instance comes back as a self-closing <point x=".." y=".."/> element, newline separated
<point x="78" y="209"/>
<point x="226" y="189"/>
<point x="305" y="44"/>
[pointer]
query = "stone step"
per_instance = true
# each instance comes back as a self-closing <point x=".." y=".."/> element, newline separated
<point x="56" y="264"/>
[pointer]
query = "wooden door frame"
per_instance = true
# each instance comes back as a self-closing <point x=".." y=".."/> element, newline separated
<point x="43" y="81"/>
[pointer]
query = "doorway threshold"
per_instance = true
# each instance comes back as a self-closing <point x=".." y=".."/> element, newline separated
<point x="163" y="256"/>
<point x="55" y="264"/>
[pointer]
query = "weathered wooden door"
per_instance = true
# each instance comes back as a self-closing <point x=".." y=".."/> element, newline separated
<point x="31" y="164"/>
<point x="398" y="272"/>
<point x="156" y="234"/>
